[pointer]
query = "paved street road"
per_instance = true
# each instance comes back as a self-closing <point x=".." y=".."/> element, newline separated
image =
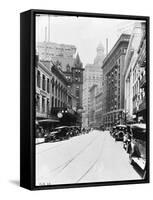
<point x="94" y="157"/>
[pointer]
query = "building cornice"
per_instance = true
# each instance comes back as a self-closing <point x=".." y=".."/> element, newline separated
<point x="42" y="66"/>
<point x="124" y="38"/>
<point x="59" y="74"/>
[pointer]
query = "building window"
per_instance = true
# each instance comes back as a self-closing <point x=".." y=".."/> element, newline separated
<point x="56" y="89"/>
<point x="47" y="106"/>
<point x="55" y="102"/>
<point x="59" y="91"/>
<point x="52" y="102"/>
<point x="52" y="88"/>
<point x="38" y="79"/>
<point x="48" y="85"/>
<point x="37" y="103"/>
<point x="43" y="104"/>
<point x="43" y="82"/>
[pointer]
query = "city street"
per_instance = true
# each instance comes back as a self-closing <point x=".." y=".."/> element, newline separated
<point x="94" y="157"/>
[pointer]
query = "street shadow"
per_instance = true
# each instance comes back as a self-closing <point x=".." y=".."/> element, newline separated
<point x="15" y="182"/>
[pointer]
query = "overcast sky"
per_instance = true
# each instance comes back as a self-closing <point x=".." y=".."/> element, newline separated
<point x="83" y="32"/>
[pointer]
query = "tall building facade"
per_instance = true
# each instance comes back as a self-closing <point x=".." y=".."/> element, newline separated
<point x="92" y="105"/>
<point x="132" y="73"/>
<point x="139" y="80"/>
<point x="113" y="83"/>
<point x="77" y="81"/>
<point x="98" y="108"/>
<point x="62" y="53"/>
<point x="92" y="75"/>
<point x="95" y="106"/>
<point x="53" y="97"/>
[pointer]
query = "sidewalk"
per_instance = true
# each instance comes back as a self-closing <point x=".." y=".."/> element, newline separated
<point x="39" y="140"/>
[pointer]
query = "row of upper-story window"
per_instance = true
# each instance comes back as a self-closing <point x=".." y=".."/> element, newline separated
<point x="77" y="79"/>
<point x="58" y="90"/>
<point x="138" y="73"/>
<point x="44" y="83"/>
<point x="138" y="92"/>
<point x="42" y="104"/>
<point x="58" y="103"/>
<point x="140" y="99"/>
<point x="76" y="71"/>
<point x="136" y="88"/>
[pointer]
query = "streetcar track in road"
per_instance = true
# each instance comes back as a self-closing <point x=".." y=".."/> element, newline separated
<point x="65" y="164"/>
<point x="61" y="167"/>
<point x="93" y="164"/>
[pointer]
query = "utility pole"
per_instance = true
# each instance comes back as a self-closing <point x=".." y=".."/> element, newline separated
<point x="48" y="28"/>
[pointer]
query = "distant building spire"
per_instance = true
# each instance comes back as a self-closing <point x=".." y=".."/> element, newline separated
<point x="77" y="61"/>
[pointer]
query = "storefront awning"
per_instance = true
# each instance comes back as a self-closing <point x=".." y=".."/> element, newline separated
<point x="48" y="120"/>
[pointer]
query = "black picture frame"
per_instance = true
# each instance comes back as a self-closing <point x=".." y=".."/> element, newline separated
<point x="27" y="98"/>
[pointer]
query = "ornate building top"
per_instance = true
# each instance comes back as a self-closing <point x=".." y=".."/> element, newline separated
<point x="100" y="55"/>
<point x="77" y="62"/>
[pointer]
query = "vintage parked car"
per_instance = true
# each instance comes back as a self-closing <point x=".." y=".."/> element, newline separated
<point x="59" y="133"/>
<point x="51" y="136"/>
<point x="113" y="130"/>
<point x="137" y="147"/>
<point x="62" y="132"/>
<point x="127" y="138"/>
<point x="120" y="131"/>
<point x="73" y="131"/>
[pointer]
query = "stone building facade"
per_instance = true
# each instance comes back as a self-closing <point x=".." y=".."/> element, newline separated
<point x="98" y="108"/>
<point x="95" y="106"/>
<point x="139" y="80"/>
<point x="113" y="83"/>
<point x="132" y="73"/>
<point x="63" y="56"/>
<point x="92" y="106"/>
<point x="92" y="75"/>
<point x="43" y="82"/>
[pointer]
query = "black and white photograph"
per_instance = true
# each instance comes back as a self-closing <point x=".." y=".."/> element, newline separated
<point x="90" y="100"/>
